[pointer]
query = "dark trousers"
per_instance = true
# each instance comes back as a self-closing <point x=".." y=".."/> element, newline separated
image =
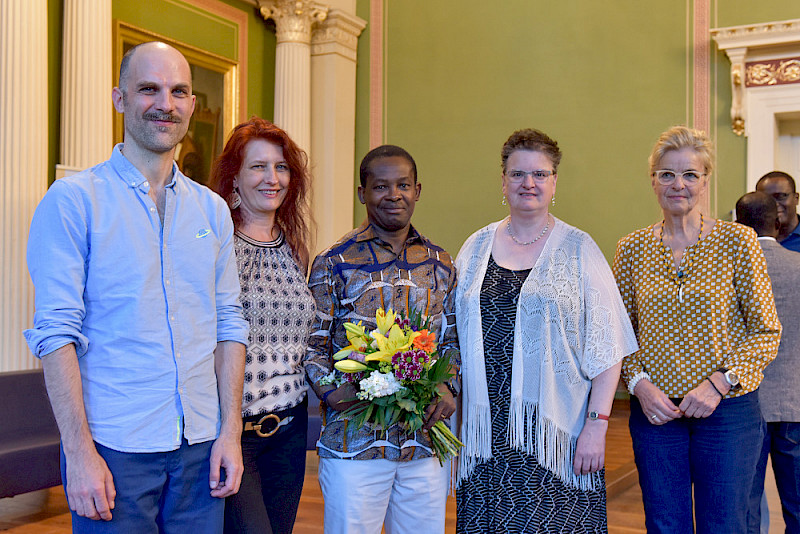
<point x="157" y="492"/>
<point x="274" y="468"/>
<point x="716" y="456"/>
<point x="782" y="441"/>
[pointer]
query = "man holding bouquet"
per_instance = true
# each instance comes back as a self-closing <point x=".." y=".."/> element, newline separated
<point x="370" y="475"/>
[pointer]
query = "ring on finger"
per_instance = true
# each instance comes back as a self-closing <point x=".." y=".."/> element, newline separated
<point x="654" y="416"/>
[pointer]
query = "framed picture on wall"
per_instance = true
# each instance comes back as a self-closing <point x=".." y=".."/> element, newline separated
<point x="214" y="83"/>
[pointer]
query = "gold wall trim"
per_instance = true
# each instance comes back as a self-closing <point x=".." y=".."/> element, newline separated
<point x="772" y="72"/>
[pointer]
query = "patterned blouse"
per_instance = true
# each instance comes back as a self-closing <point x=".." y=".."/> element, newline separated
<point x="279" y="307"/>
<point x="723" y="316"/>
<point x="350" y="281"/>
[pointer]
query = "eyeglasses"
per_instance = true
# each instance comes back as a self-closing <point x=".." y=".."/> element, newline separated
<point x="539" y="176"/>
<point x="667" y="177"/>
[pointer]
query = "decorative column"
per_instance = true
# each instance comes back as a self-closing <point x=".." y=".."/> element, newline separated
<point x="86" y="133"/>
<point x="293" y="21"/>
<point x="333" y="122"/>
<point x="23" y="164"/>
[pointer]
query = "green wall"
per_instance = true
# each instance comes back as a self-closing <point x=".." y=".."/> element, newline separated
<point x="603" y="79"/>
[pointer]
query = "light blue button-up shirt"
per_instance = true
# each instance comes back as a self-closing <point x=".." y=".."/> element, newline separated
<point x="145" y="305"/>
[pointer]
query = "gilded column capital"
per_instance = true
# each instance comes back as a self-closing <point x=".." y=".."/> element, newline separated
<point x="294" y="19"/>
<point x="337" y="34"/>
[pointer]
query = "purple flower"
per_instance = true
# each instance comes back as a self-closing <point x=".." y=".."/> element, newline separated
<point x="409" y="364"/>
<point x="354" y="377"/>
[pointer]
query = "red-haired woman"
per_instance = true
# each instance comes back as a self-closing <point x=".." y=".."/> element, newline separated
<point x="264" y="177"/>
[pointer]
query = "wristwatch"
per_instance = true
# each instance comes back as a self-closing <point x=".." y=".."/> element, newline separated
<point x="593" y="416"/>
<point x="730" y="377"/>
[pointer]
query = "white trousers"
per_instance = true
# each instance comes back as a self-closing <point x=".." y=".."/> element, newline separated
<point x="405" y="497"/>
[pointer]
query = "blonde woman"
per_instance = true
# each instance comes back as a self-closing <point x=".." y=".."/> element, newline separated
<point x="700" y="300"/>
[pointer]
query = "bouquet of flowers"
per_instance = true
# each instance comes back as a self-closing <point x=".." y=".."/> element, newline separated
<point x="396" y="370"/>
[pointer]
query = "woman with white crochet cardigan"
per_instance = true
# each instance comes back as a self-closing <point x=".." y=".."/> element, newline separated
<point x="542" y="331"/>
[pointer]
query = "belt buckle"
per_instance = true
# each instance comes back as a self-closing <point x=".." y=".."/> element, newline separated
<point x="278" y="423"/>
<point x="257" y="427"/>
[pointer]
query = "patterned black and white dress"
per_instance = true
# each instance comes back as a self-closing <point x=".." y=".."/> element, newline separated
<point x="511" y="493"/>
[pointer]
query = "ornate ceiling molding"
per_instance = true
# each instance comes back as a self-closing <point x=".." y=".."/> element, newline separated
<point x="768" y="41"/>
<point x="757" y="35"/>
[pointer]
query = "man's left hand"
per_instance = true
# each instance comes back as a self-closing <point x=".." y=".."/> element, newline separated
<point x="226" y="453"/>
<point x="441" y="408"/>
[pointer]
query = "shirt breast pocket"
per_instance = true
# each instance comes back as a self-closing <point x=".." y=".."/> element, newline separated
<point x="191" y="258"/>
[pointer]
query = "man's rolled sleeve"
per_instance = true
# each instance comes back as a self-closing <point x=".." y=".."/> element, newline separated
<point x="231" y="324"/>
<point x="57" y="254"/>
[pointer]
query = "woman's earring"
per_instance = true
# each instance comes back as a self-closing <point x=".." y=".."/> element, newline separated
<point x="553" y="201"/>
<point x="234" y="200"/>
<point x="503" y="202"/>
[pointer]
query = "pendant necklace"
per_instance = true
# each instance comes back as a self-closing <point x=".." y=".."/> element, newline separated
<point x="526" y="243"/>
<point x="682" y="273"/>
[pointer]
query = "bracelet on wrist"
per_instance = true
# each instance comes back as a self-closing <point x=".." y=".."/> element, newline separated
<point x="635" y="380"/>
<point x="715" y="388"/>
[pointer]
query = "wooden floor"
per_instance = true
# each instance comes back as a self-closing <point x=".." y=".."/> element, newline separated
<point x="46" y="512"/>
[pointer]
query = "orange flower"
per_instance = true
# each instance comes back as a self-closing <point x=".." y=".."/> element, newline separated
<point x="425" y="341"/>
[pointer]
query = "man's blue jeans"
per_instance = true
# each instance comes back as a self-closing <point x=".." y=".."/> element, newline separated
<point x="158" y="492"/>
<point x="782" y="441"/>
<point x="717" y="455"/>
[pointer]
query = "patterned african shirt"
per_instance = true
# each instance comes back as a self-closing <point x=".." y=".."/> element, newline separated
<point x="350" y="281"/>
<point x="727" y="316"/>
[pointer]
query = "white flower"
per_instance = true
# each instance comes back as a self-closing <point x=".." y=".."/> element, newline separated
<point x="378" y="385"/>
<point x="328" y="379"/>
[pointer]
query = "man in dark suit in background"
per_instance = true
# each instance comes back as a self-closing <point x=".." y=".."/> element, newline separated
<point x="780" y="186"/>
<point x="779" y="394"/>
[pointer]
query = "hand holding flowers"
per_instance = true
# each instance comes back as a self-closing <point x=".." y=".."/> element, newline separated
<point x="396" y="370"/>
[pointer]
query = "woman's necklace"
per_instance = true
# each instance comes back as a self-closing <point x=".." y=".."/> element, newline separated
<point x="526" y="243"/>
<point x="682" y="273"/>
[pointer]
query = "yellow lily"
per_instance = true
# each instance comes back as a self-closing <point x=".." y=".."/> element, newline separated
<point x="357" y="336"/>
<point x="344" y="353"/>
<point x="385" y="320"/>
<point x="396" y="341"/>
<point x="356" y="332"/>
<point x="350" y="366"/>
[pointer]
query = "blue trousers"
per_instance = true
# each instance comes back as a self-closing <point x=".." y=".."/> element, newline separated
<point x="716" y="456"/>
<point x="782" y="441"/>
<point x="157" y="492"/>
<point x="274" y="470"/>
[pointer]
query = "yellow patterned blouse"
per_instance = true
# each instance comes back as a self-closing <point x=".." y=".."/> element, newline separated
<point x="723" y="316"/>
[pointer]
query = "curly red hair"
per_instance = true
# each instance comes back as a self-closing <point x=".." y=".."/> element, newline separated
<point x="294" y="215"/>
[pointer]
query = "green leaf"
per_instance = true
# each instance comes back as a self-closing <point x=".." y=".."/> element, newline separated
<point x="407" y="404"/>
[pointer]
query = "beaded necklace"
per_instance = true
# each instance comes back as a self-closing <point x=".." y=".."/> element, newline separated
<point x="526" y="243"/>
<point x="682" y="273"/>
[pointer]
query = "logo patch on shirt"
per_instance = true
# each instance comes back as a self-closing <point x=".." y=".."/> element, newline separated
<point x="202" y="233"/>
